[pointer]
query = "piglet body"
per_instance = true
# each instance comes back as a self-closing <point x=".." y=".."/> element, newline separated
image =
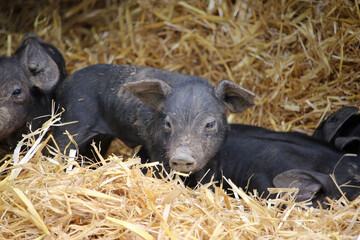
<point x="180" y="119"/>
<point x="258" y="158"/>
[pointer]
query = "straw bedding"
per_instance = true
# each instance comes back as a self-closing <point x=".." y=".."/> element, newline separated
<point x="301" y="58"/>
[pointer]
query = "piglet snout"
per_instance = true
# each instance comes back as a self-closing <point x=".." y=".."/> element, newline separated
<point x="182" y="160"/>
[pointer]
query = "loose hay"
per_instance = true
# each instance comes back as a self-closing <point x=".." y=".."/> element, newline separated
<point x="301" y="58"/>
<point x="116" y="201"/>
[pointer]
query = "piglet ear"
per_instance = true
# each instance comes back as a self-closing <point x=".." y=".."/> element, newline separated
<point x="349" y="144"/>
<point x="309" y="183"/>
<point x="236" y="98"/>
<point x="152" y="92"/>
<point x="332" y="125"/>
<point x="43" y="72"/>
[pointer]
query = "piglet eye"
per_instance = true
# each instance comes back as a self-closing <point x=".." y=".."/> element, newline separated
<point x="17" y="95"/>
<point x="210" y="125"/>
<point x="17" y="92"/>
<point x="167" y="124"/>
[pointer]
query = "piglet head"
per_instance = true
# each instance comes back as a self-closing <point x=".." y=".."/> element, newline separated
<point x="191" y="121"/>
<point x="15" y="99"/>
<point x="31" y="67"/>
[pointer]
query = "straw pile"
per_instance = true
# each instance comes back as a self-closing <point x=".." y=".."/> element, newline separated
<point x="301" y="58"/>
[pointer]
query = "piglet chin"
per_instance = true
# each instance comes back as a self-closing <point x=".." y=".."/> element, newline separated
<point x="5" y="126"/>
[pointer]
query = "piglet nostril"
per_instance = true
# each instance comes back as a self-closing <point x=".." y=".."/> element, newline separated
<point x="182" y="161"/>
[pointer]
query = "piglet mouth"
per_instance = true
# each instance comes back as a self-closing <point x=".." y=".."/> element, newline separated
<point x="183" y="161"/>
